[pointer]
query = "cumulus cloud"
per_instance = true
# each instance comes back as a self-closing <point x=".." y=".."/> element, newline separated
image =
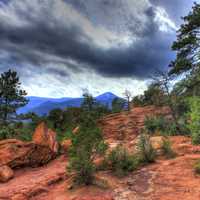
<point x="69" y="40"/>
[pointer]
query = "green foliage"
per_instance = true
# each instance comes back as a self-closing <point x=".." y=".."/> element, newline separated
<point x="121" y="162"/>
<point x="11" y="97"/>
<point x="91" y="106"/>
<point x="86" y="146"/>
<point x="83" y="167"/>
<point x="154" y="95"/>
<point x="89" y="102"/>
<point x="6" y="132"/>
<point x="63" y="121"/>
<point x="197" y="167"/>
<point x="187" y="44"/>
<point x="194" y="118"/>
<point x="22" y="132"/>
<point x="118" y="105"/>
<point x="146" y="152"/>
<point x="139" y="101"/>
<point x="61" y="136"/>
<point x="161" y="125"/>
<point x="188" y="53"/>
<point x="167" y="149"/>
<point x="56" y="116"/>
<point x="153" y="124"/>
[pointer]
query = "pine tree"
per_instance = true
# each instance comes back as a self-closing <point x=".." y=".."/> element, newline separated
<point x="12" y="97"/>
<point x="187" y="45"/>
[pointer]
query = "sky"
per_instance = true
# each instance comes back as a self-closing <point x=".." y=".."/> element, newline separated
<point x="62" y="47"/>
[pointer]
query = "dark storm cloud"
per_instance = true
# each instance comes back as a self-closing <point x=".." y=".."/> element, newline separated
<point x="44" y="40"/>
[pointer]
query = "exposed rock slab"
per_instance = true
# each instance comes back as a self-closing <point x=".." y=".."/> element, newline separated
<point x="29" y="182"/>
<point x="127" y="125"/>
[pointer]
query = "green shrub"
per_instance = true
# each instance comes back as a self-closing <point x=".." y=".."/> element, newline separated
<point x="153" y="124"/>
<point x="86" y="146"/>
<point x="21" y="131"/>
<point x="197" y="167"/>
<point x="121" y="162"/>
<point x="83" y="167"/>
<point x="146" y="152"/>
<point x="194" y="116"/>
<point x="167" y="149"/>
<point x="6" y="132"/>
<point x="25" y="136"/>
<point x="160" y="124"/>
<point x="61" y="136"/>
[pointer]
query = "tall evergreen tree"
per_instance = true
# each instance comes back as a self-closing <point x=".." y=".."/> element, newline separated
<point x="187" y="45"/>
<point x="12" y="96"/>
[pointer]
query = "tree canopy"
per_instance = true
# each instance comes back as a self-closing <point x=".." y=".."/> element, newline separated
<point x="187" y="44"/>
<point x="12" y="96"/>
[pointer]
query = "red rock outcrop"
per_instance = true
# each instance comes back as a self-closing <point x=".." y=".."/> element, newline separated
<point x="45" y="137"/>
<point x="127" y="125"/>
<point x="15" y="153"/>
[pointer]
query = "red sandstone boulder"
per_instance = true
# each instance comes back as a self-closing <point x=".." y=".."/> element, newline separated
<point x="15" y="153"/>
<point x="45" y="137"/>
<point x="6" y="173"/>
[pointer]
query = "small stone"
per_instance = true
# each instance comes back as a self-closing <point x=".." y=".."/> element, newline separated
<point x="6" y="173"/>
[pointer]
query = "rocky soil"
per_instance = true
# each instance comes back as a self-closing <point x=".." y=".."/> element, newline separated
<point x="165" y="179"/>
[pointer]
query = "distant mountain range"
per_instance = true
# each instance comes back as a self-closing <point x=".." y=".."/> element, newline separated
<point x="42" y="106"/>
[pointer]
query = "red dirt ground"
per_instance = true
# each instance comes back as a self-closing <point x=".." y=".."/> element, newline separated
<point x="164" y="180"/>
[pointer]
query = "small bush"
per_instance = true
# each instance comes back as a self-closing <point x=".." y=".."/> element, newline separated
<point x="121" y="162"/>
<point x="25" y="135"/>
<point x="160" y="124"/>
<point x="146" y="152"/>
<point x="194" y="116"/>
<point x="167" y="149"/>
<point x="153" y="124"/>
<point x="197" y="167"/>
<point x="86" y="146"/>
<point x="6" y="132"/>
<point x="84" y="169"/>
